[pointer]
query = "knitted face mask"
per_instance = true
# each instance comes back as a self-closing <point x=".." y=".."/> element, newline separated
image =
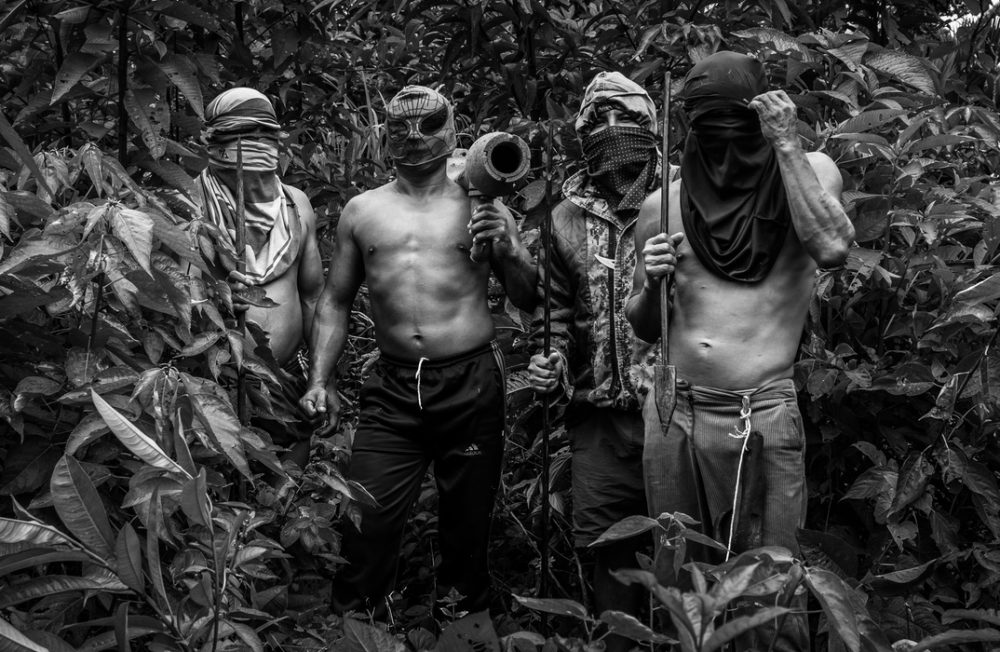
<point x="420" y="126"/>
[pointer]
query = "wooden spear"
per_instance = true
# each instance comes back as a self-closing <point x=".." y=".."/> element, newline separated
<point x="242" y="406"/>
<point x="543" y="581"/>
<point x="666" y="375"/>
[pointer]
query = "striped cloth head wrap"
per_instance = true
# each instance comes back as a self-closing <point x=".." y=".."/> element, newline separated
<point x="243" y="119"/>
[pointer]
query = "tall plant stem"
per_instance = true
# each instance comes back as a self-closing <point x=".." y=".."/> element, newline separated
<point x="122" y="81"/>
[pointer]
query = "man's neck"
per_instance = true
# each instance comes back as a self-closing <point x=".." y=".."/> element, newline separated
<point x="422" y="180"/>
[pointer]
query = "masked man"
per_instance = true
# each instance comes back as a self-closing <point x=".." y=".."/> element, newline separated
<point x="596" y="358"/>
<point x="758" y="217"/>
<point x="281" y="253"/>
<point x="437" y="391"/>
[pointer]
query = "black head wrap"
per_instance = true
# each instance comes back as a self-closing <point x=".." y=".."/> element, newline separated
<point x="733" y="201"/>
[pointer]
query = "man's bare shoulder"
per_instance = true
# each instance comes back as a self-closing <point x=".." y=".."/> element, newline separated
<point x="302" y="204"/>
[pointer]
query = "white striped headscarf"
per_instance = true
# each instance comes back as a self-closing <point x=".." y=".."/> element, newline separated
<point x="243" y="119"/>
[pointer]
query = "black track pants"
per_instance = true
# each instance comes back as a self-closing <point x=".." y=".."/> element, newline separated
<point x="446" y="411"/>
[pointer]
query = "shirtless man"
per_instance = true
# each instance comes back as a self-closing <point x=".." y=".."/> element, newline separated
<point x="282" y="256"/>
<point x="753" y="216"/>
<point x="437" y="392"/>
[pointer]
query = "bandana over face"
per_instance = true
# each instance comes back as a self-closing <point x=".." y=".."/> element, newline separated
<point x="420" y="126"/>
<point x="621" y="160"/>
<point x="242" y="118"/>
<point x="733" y="202"/>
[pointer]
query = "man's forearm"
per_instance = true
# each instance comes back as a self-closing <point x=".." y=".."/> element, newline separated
<point x="643" y="311"/>
<point x="820" y="222"/>
<point x="308" y="315"/>
<point x="519" y="276"/>
<point x="326" y="340"/>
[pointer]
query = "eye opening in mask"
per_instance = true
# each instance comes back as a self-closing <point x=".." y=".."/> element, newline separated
<point x="433" y="123"/>
<point x="397" y="128"/>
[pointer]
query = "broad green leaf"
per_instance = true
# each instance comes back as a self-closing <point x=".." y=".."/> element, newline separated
<point x="904" y="578"/>
<point x="89" y="428"/>
<point x="868" y="120"/>
<point x="186" y="12"/>
<point x="362" y="637"/>
<point x="955" y="637"/>
<point x="37" y="386"/>
<point x="14" y="641"/>
<point x="991" y="616"/>
<point x="195" y="502"/>
<point x="781" y="41"/>
<point x="181" y="448"/>
<point x="153" y="550"/>
<point x="560" y="607"/>
<point x="219" y="419"/>
<point x="733" y="584"/>
<point x="631" y="627"/>
<point x="21" y="532"/>
<point x="49" y="585"/>
<point x="471" y="632"/>
<point x="938" y="140"/>
<point x="109" y="641"/>
<point x="23" y="153"/>
<point x="832" y="594"/>
<point x="27" y="467"/>
<point x="74" y="67"/>
<point x="738" y="626"/>
<point x="134" y="439"/>
<point x="150" y="137"/>
<point x="201" y="343"/>
<point x="911" y="482"/>
<point x="48" y="641"/>
<point x="128" y="559"/>
<point x="987" y="289"/>
<point x="851" y="52"/>
<point x="7" y="214"/>
<point x="626" y="528"/>
<point x="80" y="506"/>
<point x="905" y="67"/>
<point x="182" y="74"/>
<point x="135" y="230"/>
<point x="253" y="642"/>
<point x="38" y="556"/>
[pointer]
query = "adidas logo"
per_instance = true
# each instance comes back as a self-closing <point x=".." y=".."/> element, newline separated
<point x="473" y="449"/>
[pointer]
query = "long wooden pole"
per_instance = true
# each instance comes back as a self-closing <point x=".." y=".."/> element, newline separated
<point x="665" y="220"/>
<point x="242" y="406"/>
<point x="543" y="582"/>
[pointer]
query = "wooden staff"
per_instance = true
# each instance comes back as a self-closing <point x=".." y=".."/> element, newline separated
<point x="543" y="581"/>
<point x="665" y="375"/>
<point x="242" y="407"/>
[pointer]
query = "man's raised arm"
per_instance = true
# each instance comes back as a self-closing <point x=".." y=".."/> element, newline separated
<point x="329" y="328"/>
<point x="812" y="183"/>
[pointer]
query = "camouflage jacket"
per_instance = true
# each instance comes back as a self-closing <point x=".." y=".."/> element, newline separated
<point x="593" y="256"/>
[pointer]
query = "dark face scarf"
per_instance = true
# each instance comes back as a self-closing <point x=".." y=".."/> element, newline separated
<point x="621" y="161"/>
<point x="733" y="203"/>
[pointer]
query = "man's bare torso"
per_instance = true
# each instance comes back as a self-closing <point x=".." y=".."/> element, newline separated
<point x="737" y="335"/>
<point x="428" y="298"/>
<point x="283" y="322"/>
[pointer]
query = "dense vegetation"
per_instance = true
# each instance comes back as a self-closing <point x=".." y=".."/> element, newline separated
<point x="143" y="515"/>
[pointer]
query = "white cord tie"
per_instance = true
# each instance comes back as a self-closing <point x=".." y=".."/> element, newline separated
<point x="741" y="433"/>
<point x="420" y="366"/>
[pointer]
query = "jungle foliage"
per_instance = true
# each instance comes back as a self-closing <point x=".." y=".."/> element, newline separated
<point x="139" y="513"/>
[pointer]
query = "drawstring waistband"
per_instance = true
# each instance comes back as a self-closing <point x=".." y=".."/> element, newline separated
<point x="420" y="365"/>
<point x="744" y="434"/>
